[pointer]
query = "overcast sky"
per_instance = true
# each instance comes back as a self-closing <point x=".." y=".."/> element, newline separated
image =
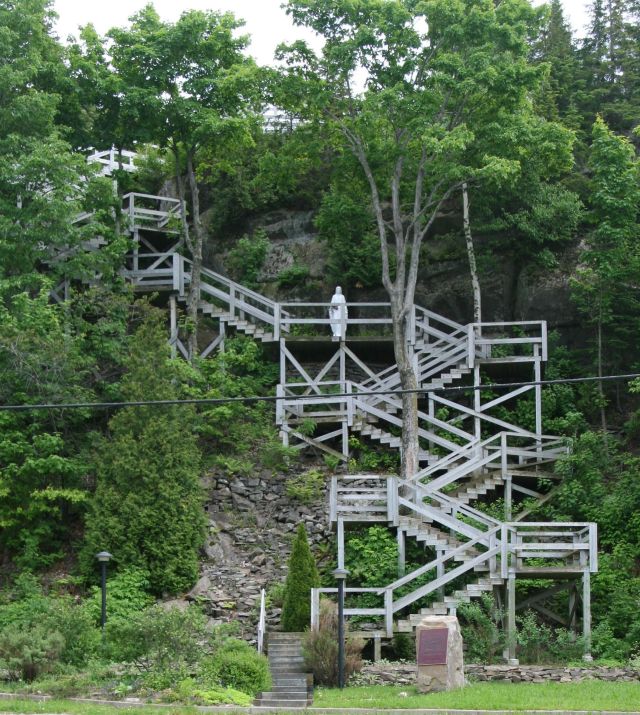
<point x="266" y="22"/>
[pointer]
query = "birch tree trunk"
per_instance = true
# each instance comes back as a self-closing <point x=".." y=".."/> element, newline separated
<point x="471" y="254"/>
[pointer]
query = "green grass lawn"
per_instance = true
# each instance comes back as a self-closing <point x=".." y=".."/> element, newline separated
<point x="588" y="695"/>
<point x="67" y="706"/>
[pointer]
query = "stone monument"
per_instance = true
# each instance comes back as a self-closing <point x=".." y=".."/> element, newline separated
<point x="439" y="654"/>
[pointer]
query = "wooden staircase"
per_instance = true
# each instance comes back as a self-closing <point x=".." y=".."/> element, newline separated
<point x="468" y="454"/>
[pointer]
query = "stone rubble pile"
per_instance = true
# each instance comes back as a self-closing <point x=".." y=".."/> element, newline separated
<point x="252" y="522"/>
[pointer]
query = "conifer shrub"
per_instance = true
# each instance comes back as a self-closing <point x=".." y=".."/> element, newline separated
<point x="320" y="648"/>
<point x="302" y="576"/>
<point x="147" y="508"/>
<point x="26" y="653"/>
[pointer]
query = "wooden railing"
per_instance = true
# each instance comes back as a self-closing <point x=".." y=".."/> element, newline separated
<point x="503" y="547"/>
<point x="113" y="159"/>
<point x="522" y="341"/>
<point x="152" y="213"/>
<point x="262" y="621"/>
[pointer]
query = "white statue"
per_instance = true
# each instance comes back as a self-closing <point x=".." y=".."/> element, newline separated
<point x="338" y="314"/>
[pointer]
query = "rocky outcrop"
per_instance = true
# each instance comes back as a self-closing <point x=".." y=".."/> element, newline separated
<point x="252" y="522"/>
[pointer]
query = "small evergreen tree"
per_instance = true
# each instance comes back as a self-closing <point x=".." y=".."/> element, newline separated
<point x="147" y="509"/>
<point x="302" y="576"/>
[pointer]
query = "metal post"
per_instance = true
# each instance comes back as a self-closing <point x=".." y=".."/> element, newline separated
<point x="103" y="558"/>
<point x="340" y="575"/>
<point x="511" y="618"/>
<point x="586" y="614"/>
<point x="103" y="578"/>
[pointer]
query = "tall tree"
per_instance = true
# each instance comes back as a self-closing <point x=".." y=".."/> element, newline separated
<point x="606" y="286"/>
<point x="195" y="93"/>
<point x="429" y="70"/>
<point x="147" y="509"/>
<point x="611" y="64"/>
<point x="555" y="47"/>
<point x="43" y="185"/>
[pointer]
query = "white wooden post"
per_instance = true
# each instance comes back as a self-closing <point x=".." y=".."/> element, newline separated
<point x="537" y="372"/>
<point x="471" y="346"/>
<point x="277" y="312"/>
<point x="402" y="560"/>
<point x="440" y="573"/>
<point x="173" y="336"/>
<point x="340" y="538"/>
<point x="388" y="612"/>
<point x="315" y="608"/>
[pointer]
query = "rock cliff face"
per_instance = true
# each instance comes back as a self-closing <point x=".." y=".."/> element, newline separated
<point x="510" y="290"/>
<point x="252" y="523"/>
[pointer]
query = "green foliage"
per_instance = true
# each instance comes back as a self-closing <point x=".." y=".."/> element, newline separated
<point x="164" y="643"/>
<point x="538" y="643"/>
<point x="42" y="631"/>
<point x="246" y="258"/>
<point x="372" y="557"/>
<point x="347" y="226"/>
<point x="371" y="459"/>
<point x="26" y="654"/>
<point x="127" y="594"/>
<point x="147" y="509"/>
<point x="320" y="648"/>
<point x="237" y="665"/>
<point x="302" y="576"/>
<point x="292" y="277"/>
<point x="189" y="691"/>
<point x="306" y="487"/>
<point x="482" y="635"/>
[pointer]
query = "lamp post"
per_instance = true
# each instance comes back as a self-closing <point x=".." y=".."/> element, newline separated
<point x="103" y="558"/>
<point x="341" y="576"/>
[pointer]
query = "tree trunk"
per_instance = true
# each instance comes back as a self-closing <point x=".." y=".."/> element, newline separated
<point x="475" y="282"/>
<point x="195" y="246"/>
<point x="410" y="464"/>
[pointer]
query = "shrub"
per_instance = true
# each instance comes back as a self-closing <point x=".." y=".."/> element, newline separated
<point x="189" y="690"/>
<point x="246" y="258"/>
<point x="306" y="487"/>
<point x="482" y="636"/>
<point x="237" y="665"/>
<point x="320" y="648"/>
<point x="292" y="276"/>
<point x="302" y="576"/>
<point x="163" y="643"/>
<point x="127" y="593"/>
<point x="26" y="653"/>
<point x="28" y="609"/>
<point x="538" y="643"/>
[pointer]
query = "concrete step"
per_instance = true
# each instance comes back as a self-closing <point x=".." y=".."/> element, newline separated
<point x="282" y="649"/>
<point x="276" y="661"/>
<point x="294" y="680"/>
<point x="292" y="695"/>
<point x="288" y="704"/>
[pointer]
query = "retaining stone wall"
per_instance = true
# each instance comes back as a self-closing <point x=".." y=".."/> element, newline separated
<point x="405" y="673"/>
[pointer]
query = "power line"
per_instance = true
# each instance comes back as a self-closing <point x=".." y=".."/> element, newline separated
<point x="312" y="396"/>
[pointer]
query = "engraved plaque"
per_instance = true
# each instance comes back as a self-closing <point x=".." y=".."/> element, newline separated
<point x="432" y="646"/>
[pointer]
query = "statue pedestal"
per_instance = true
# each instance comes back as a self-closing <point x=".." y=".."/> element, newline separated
<point x="439" y="654"/>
